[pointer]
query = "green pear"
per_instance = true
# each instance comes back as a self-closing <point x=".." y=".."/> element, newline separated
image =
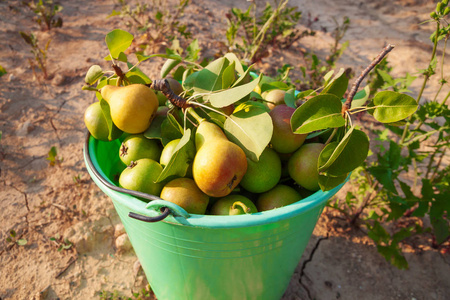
<point x="281" y="195"/>
<point x="302" y="166"/>
<point x="264" y="174"/>
<point x="137" y="146"/>
<point x="219" y="164"/>
<point x="141" y="176"/>
<point x="233" y="205"/>
<point x="185" y="193"/>
<point x="96" y="123"/>
<point x="133" y="107"/>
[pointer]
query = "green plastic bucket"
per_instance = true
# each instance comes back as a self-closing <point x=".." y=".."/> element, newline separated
<point x="209" y="257"/>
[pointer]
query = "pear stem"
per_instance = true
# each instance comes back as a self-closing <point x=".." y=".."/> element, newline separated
<point x="244" y="207"/>
<point x="196" y="116"/>
<point x="163" y="86"/>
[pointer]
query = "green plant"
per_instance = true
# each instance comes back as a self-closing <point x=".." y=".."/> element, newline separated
<point x="409" y="180"/>
<point x="13" y="239"/>
<point x="156" y="22"/>
<point x="2" y="71"/>
<point x="62" y="244"/>
<point x="251" y="33"/>
<point x="40" y="55"/>
<point x="143" y="294"/>
<point x="53" y="158"/>
<point x="46" y="11"/>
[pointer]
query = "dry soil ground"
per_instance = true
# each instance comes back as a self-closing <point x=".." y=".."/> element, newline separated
<point x="41" y="202"/>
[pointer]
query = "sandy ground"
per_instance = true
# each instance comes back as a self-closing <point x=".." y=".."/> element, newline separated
<point x="46" y="205"/>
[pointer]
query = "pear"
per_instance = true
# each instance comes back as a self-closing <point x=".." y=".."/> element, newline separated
<point x="97" y="124"/>
<point x="284" y="140"/>
<point x="185" y="193"/>
<point x="133" y="107"/>
<point x="219" y="164"/>
<point x="302" y="166"/>
<point x="233" y="205"/>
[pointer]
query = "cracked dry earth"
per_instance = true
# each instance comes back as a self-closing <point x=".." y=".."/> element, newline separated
<point x="47" y="205"/>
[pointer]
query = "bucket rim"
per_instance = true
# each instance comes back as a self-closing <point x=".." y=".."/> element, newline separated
<point x="179" y="215"/>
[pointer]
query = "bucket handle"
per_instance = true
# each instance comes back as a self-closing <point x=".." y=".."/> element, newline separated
<point x="165" y="211"/>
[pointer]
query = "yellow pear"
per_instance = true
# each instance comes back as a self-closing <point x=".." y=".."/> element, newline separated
<point x="133" y="107"/>
<point x="219" y="164"/>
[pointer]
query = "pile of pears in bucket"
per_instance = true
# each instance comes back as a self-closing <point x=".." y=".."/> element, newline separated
<point x="215" y="138"/>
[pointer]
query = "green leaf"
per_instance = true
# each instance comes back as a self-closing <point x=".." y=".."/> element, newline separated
<point x="289" y="98"/>
<point x="12" y="232"/>
<point x="251" y="128"/>
<point x="210" y="78"/>
<point x="164" y="129"/>
<point x="228" y="76"/>
<point x="168" y="66"/>
<point x="338" y="85"/>
<point x="2" y="71"/>
<point x="193" y="49"/>
<point x="118" y="41"/>
<point x="112" y="128"/>
<point x="319" y="112"/>
<point x="22" y="242"/>
<point x="384" y="176"/>
<point x="182" y="157"/>
<point x="232" y="95"/>
<point x="338" y="159"/>
<point x="361" y="97"/>
<point x="238" y="66"/>
<point x="392" y="106"/>
<point x="328" y="182"/>
<point x="136" y="75"/>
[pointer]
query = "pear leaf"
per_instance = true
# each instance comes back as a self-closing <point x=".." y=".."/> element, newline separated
<point x="338" y="85"/>
<point x="361" y="97"/>
<point x="137" y="76"/>
<point x="240" y="128"/>
<point x="338" y="159"/>
<point x="238" y="66"/>
<point x="118" y="41"/>
<point x="113" y="131"/>
<point x="228" y="76"/>
<point x="168" y="66"/>
<point x="393" y="106"/>
<point x="289" y="98"/>
<point x="230" y="96"/>
<point x="164" y="129"/>
<point x="319" y="112"/>
<point x="182" y="157"/>
<point x="210" y="78"/>
<point x="328" y="182"/>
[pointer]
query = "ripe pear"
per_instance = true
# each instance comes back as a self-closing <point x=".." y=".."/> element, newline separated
<point x="219" y="164"/>
<point x="185" y="193"/>
<point x="233" y="205"/>
<point x="274" y="97"/>
<point x="284" y="140"/>
<point x="302" y="166"/>
<point x="133" y="107"/>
